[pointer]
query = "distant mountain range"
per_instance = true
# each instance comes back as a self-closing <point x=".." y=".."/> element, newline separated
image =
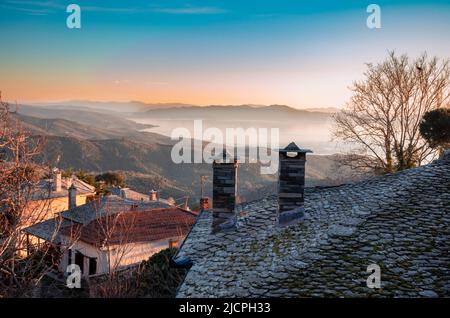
<point x="85" y="127"/>
<point x="275" y="113"/>
<point x="306" y="128"/>
<point x="310" y="129"/>
<point x="99" y="141"/>
<point x="121" y="107"/>
<point x="98" y="118"/>
<point x="137" y="106"/>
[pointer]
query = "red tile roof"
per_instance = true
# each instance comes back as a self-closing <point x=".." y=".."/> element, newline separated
<point x="137" y="226"/>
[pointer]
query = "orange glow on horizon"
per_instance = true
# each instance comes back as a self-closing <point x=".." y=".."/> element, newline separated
<point x="296" y="92"/>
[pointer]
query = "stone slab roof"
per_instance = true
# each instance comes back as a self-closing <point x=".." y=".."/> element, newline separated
<point x="48" y="230"/>
<point x="397" y="221"/>
<point x="44" y="188"/>
<point x="127" y="193"/>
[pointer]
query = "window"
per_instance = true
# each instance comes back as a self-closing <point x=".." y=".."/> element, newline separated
<point x="79" y="260"/>
<point x="92" y="266"/>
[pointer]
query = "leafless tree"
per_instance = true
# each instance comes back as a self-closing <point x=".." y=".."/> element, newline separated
<point x="115" y="227"/>
<point x="381" y="120"/>
<point x="20" y="271"/>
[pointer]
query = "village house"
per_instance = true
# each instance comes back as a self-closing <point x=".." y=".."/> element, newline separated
<point x="112" y="232"/>
<point x="48" y="198"/>
<point x="127" y="193"/>
<point x="323" y="241"/>
<point x="57" y="194"/>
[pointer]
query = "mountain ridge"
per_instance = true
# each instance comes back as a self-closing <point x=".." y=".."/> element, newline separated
<point x="139" y="106"/>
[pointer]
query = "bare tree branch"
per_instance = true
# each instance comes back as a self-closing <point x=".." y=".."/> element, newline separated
<point x="381" y="121"/>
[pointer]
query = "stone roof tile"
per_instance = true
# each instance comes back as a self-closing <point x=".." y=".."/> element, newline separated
<point x="399" y="221"/>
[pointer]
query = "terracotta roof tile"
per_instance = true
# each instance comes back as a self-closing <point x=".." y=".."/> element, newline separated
<point x="137" y="226"/>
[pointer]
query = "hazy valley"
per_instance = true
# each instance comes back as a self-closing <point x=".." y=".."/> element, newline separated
<point x="98" y="139"/>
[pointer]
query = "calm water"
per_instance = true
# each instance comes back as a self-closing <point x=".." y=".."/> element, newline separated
<point x="313" y="136"/>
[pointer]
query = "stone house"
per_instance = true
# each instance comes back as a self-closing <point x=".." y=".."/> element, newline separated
<point x="324" y="241"/>
<point x="112" y="233"/>
<point x="58" y="194"/>
<point x="49" y="198"/>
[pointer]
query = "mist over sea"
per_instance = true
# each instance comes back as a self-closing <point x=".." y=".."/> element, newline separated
<point x="314" y="136"/>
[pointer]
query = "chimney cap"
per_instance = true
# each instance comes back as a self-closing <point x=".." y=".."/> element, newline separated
<point x="224" y="156"/>
<point x="292" y="147"/>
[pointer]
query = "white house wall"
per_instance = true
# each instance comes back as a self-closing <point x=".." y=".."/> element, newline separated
<point x="131" y="254"/>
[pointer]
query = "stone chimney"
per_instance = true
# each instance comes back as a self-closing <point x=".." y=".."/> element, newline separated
<point x="72" y="196"/>
<point x="291" y="183"/>
<point x="224" y="192"/>
<point x="204" y="204"/>
<point x="57" y="182"/>
<point x="153" y="195"/>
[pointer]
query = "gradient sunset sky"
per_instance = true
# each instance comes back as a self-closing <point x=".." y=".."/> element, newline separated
<point x="294" y="52"/>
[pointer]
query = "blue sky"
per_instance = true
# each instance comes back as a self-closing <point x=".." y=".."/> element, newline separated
<point x="301" y="53"/>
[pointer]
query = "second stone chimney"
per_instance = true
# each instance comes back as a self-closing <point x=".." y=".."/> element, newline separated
<point x="224" y="192"/>
<point x="291" y="183"/>
<point x="72" y="196"/>
<point x="57" y="182"/>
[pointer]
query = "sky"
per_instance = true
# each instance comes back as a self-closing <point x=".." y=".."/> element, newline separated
<point x="292" y="52"/>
